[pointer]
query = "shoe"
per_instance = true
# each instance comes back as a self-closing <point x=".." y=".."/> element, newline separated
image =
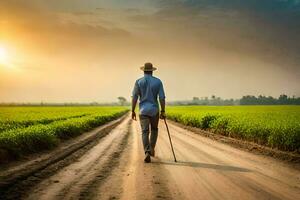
<point x="152" y="153"/>
<point x="147" y="158"/>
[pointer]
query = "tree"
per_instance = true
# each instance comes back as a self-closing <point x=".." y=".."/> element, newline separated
<point x="196" y="99"/>
<point x="122" y="101"/>
<point x="283" y="99"/>
<point x="248" y="100"/>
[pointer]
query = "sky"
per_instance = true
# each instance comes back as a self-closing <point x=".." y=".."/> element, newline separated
<point x="91" y="50"/>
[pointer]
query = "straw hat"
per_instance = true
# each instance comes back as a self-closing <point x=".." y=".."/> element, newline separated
<point x="148" y="67"/>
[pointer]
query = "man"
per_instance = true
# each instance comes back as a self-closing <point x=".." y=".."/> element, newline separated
<point x="148" y="89"/>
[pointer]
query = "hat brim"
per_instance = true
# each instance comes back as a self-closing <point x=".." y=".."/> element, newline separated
<point x="148" y="70"/>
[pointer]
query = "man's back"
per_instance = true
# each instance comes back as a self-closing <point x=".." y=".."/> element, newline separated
<point x="148" y="88"/>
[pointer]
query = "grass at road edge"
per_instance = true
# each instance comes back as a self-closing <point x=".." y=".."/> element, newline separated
<point x="273" y="126"/>
<point x="21" y="141"/>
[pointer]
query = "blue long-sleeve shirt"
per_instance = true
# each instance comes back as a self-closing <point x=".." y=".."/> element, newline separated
<point x="148" y="89"/>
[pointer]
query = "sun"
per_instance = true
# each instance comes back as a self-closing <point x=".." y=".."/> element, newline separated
<point x="3" y="56"/>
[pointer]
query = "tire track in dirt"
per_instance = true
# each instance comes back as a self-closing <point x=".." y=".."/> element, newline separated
<point x="231" y="180"/>
<point x="76" y="180"/>
<point x="132" y="178"/>
<point x="213" y="150"/>
<point x="90" y="191"/>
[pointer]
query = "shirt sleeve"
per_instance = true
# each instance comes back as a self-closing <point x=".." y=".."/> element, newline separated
<point x="161" y="92"/>
<point x="136" y="91"/>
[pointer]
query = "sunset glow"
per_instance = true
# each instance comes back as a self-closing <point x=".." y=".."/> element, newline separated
<point x="3" y="56"/>
<point x="228" y="49"/>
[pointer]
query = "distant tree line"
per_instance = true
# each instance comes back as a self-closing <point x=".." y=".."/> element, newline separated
<point x="59" y="104"/>
<point x="213" y="100"/>
<point x="122" y="101"/>
<point x="268" y="100"/>
<point x="245" y="100"/>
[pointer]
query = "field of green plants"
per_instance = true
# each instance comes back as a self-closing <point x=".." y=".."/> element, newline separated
<point x="30" y="129"/>
<point x="274" y="126"/>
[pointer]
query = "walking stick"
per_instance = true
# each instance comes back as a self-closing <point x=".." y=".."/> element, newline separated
<point x="170" y="140"/>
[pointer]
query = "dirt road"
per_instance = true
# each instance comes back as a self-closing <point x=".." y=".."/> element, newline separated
<point x="113" y="168"/>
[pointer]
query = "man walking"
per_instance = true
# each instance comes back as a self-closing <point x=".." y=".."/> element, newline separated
<point x="148" y="89"/>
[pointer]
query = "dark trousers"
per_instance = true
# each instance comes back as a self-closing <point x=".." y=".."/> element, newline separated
<point x="149" y="123"/>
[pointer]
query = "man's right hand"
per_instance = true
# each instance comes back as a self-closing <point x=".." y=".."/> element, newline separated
<point x="162" y="115"/>
<point x="133" y="115"/>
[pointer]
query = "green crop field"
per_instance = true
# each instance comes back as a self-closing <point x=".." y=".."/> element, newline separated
<point x="274" y="126"/>
<point x="30" y="129"/>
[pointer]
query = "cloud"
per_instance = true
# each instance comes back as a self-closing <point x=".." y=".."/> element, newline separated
<point x="34" y="18"/>
<point x="39" y="29"/>
<point x="82" y="13"/>
<point x="133" y="10"/>
<point x="268" y="30"/>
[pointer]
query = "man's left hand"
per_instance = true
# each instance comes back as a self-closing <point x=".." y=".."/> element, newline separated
<point x="133" y="115"/>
